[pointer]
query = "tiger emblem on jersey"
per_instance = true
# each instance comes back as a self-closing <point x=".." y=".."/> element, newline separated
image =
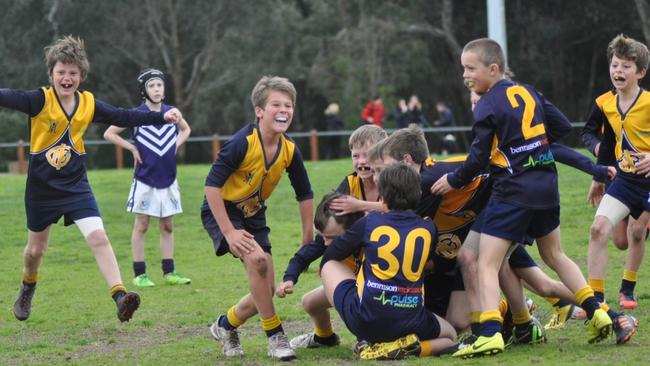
<point x="250" y="206"/>
<point x="59" y="156"/>
<point x="627" y="162"/>
<point x="448" y="245"/>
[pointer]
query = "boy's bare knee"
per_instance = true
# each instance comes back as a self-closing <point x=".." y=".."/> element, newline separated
<point x="141" y="227"/>
<point x="257" y="263"/>
<point x="166" y="227"/>
<point x="600" y="228"/>
<point x="35" y="250"/>
<point x="97" y="239"/>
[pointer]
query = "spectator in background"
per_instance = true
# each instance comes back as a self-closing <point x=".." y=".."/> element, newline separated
<point x="415" y="114"/>
<point x="445" y="116"/>
<point x="334" y="123"/>
<point x="373" y="112"/>
<point x="400" y="114"/>
<point x="446" y="119"/>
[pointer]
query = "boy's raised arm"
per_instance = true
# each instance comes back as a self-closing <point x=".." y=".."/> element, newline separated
<point x="106" y="113"/>
<point x="30" y="102"/>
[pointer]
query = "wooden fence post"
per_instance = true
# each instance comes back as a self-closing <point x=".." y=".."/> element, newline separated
<point x="119" y="157"/>
<point x="22" y="169"/>
<point x="216" y="146"/>
<point x="314" y="145"/>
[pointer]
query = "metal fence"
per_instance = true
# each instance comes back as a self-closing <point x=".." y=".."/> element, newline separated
<point x="316" y="142"/>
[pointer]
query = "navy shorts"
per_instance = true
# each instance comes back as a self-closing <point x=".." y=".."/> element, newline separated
<point x="519" y="258"/>
<point x="438" y="288"/>
<point x="514" y="223"/>
<point x="635" y="198"/>
<point x="255" y="225"/>
<point x="40" y="216"/>
<point x="346" y="302"/>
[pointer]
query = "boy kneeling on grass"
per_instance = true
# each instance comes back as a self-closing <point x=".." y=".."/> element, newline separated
<point x="384" y="304"/>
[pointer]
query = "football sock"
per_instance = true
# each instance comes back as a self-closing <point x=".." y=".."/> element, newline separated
<point x="167" y="266"/>
<point x="587" y="300"/>
<point x="324" y="332"/>
<point x="475" y="321"/>
<point x="521" y="321"/>
<point x="598" y="286"/>
<point x="503" y="307"/>
<point x="118" y="291"/>
<point x="425" y="348"/>
<point x="628" y="282"/>
<point x="329" y="340"/>
<point x="139" y="268"/>
<point x="30" y="280"/>
<point x="490" y="323"/>
<point x="230" y="321"/>
<point x="272" y="325"/>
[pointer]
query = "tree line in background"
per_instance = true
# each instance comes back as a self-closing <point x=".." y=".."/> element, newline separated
<point x="342" y="51"/>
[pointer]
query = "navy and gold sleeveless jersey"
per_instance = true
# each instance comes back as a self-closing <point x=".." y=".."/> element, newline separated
<point x="592" y="133"/>
<point x="513" y="126"/>
<point x="57" y="150"/>
<point x="352" y="184"/>
<point x="397" y="245"/>
<point x="454" y="212"/>
<point x="245" y="177"/>
<point x="56" y="172"/>
<point x="625" y="135"/>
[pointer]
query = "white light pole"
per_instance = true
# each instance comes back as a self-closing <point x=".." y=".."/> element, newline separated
<point x="497" y="23"/>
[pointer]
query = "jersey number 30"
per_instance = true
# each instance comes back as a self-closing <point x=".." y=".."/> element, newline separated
<point x="385" y="252"/>
<point x="527" y="128"/>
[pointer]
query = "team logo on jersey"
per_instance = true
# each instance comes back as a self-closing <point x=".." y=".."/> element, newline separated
<point x="448" y="245"/>
<point x="542" y="159"/>
<point x="52" y="127"/>
<point x="249" y="178"/>
<point x="59" y="156"/>
<point x="398" y="301"/>
<point x="250" y="206"/>
<point x="627" y="163"/>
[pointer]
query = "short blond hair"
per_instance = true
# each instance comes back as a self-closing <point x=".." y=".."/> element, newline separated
<point x="628" y="48"/>
<point x="488" y="52"/>
<point x="366" y="134"/>
<point x="67" y="50"/>
<point x="376" y="151"/>
<point x="332" y="109"/>
<point x="266" y="84"/>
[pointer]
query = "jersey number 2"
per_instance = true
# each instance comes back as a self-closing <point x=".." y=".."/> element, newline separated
<point x="527" y="128"/>
<point x="385" y="252"/>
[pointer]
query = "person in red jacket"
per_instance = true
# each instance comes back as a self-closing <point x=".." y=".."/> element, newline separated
<point x="373" y="112"/>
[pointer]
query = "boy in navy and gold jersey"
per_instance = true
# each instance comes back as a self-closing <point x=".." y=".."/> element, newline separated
<point x="592" y="135"/>
<point x="242" y="178"/>
<point x="356" y="195"/>
<point x="513" y="126"/>
<point x="383" y="304"/>
<point x="359" y="188"/>
<point x="56" y="180"/>
<point x="329" y="224"/>
<point x="625" y="140"/>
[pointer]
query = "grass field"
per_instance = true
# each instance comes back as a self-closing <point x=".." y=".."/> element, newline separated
<point x="73" y="317"/>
